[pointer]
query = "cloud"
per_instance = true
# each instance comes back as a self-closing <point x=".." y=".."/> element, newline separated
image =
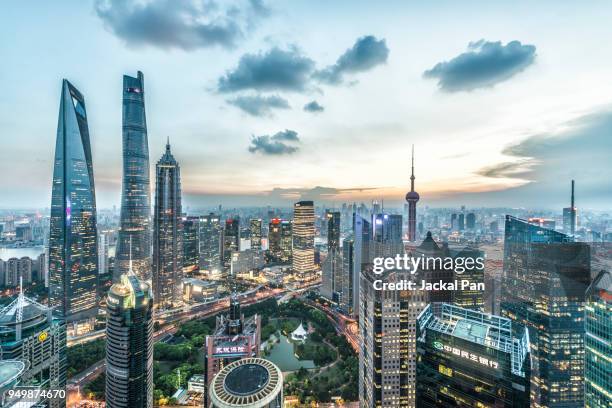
<point x="367" y="53"/>
<point x="507" y="169"/>
<point x="283" y="142"/>
<point x="258" y="105"/>
<point x="545" y="163"/>
<point x="314" y="107"/>
<point x="277" y="69"/>
<point x="483" y="65"/>
<point x="187" y="25"/>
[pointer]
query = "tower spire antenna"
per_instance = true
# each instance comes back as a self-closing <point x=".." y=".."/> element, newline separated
<point x="412" y="173"/>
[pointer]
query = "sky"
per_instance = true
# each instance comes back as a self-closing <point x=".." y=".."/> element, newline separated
<point x="266" y="103"/>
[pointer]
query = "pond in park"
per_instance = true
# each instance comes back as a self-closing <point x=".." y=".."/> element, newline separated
<point x="283" y="356"/>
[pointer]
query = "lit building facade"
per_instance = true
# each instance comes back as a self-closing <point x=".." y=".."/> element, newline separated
<point x="544" y="280"/>
<point x="129" y="344"/>
<point x="191" y="244"/>
<point x="231" y="240"/>
<point x="210" y="243"/>
<point x="73" y="236"/>
<point x="32" y="334"/>
<point x="303" y="261"/>
<point x="467" y="358"/>
<point x="167" y="233"/>
<point x="255" y="229"/>
<point x="598" y="343"/>
<point x="135" y="228"/>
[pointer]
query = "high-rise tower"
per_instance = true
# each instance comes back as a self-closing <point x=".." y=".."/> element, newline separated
<point x="412" y="198"/>
<point x="569" y="216"/>
<point x="136" y="193"/>
<point x="73" y="246"/>
<point x="303" y="240"/>
<point x="167" y="233"/>
<point x="129" y="344"/>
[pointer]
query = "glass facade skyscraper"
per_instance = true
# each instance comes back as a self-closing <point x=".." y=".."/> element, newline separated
<point x="467" y="358"/>
<point x="167" y="233"/>
<point x="73" y="238"/>
<point x="135" y="231"/>
<point x="210" y="243"/>
<point x="545" y="277"/>
<point x="598" y="343"/>
<point x="129" y="344"/>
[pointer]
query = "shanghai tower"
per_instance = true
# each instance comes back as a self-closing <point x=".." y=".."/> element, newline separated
<point x="136" y="194"/>
<point x="73" y="254"/>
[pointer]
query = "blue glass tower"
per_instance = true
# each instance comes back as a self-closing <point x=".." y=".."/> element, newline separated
<point x="598" y="343"/>
<point x="73" y="253"/>
<point x="136" y="193"/>
<point x="543" y="288"/>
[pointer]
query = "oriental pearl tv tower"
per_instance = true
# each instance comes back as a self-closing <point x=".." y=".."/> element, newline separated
<point x="412" y="197"/>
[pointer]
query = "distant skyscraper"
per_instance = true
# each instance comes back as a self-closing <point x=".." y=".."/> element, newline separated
<point x="412" y="198"/>
<point x="598" y="343"/>
<point x="470" y="221"/>
<point x="569" y="216"/>
<point x="255" y="232"/>
<point x="210" y="243"/>
<point x="470" y="359"/>
<point x="461" y="222"/>
<point x="30" y="333"/>
<point x="136" y="193"/>
<point x="231" y="240"/>
<point x="191" y="244"/>
<point x="543" y="288"/>
<point x="129" y="344"/>
<point x="386" y="235"/>
<point x="73" y="237"/>
<point x="167" y="233"/>
<point x="332" y="267"/>
<point x="102" y="253"/>
<point x="303" y="239"/>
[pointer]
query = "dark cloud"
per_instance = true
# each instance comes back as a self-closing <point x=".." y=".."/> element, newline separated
<point x="277" y="69"/>
<point x="180" y="24"/>
<point x="366" y="53"/>
<point x="258" y="105"/>
<point x="507" y="169"/>
<point x="283" y="142"/>
<point x="313" y="106"/>
<point x="483" y="65"/>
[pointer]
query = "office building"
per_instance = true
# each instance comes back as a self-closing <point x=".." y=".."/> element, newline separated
<point x="303" y="261"/>
<point x="231" y="240"/>
<point x="331" y="284"/>
<point x="470" y="221"/>
<point x="412" y="197"/>
<point x="249" y="261"/>
<point x="102" y="253"/>
<point x="129" y="344"/>
<point x="32" y="334"/>
<point x="255" y="233"/>
<point x="191" y="244"/>
<point x="210" y="243"/>
<point x="545" y="276"/>
<point x="234" y="338"/>
<point x="251" y="382"/>
<point x="167" y="233"/>
<point x="387" y="359"/>
<point x="467" y="358"/>
<point x="73" y="236"/>
<point x="135" y="227"/>
<point x="280" y="240"/>
<point x="598" y="343"/>
<point x="386" y="235"/>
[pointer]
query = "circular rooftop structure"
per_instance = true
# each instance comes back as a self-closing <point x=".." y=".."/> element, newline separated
<point x="250" y="382"/>
<point x="10" y="372"/>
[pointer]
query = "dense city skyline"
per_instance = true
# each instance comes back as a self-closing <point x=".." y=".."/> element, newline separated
<point x="375" y="87"/>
